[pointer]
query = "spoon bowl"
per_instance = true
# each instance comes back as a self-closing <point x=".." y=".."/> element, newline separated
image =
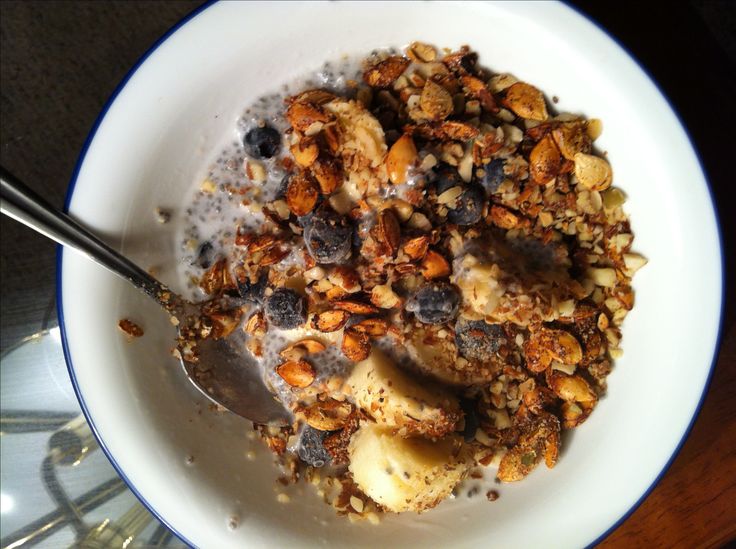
<point x="222" y="370"/>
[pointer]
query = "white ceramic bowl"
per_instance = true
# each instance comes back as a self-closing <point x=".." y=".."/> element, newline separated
<point x="173" y="114"/>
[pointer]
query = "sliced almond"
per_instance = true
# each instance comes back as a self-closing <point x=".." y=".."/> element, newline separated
<point x="526" y="101"/>
<point x="316" y="97"/>
<point x="571" y="388"/>
<point x="346" y="278"/>
<point x="303" y="115"/>
<point x="419" y="51"/>
<point x="383" y="74"/>
<point x="299" y="349"/>
<point x="262" y="242"/>
<point x="329" y="415"/>
<point x="475" y="87"/>
<point x="434" y="266"/>
<point x="435" y="101"/>
<point x="273" y="256"/>
<point x="330" y="321"/>
<point x="388" y="230"/>
<point x="328" y="174"/>
<point x="305" y="152"/>
<point x="297" y="373"/>
<point x="544" y="161"/>
<point x="374" y="327"/>
<point x="216" y="278"/>
<point x="571" y="138"/>
<point x="447" y="130"/>
<point x="416" y="248"/>
<point x="400" y="158"/>
<point x="592" y="172"/>
<point x="356" y="345"/>
<point x="301" y="194"/>
<point x="355" y="307"/>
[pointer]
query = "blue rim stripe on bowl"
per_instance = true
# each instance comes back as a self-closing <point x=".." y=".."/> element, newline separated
<point x="60" y="252"/>
<point x="60" y="258"/>
<point x="717" y="345"/>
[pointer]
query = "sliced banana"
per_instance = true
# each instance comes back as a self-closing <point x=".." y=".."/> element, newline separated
<point x="395" y="399"/>
<point x="406" y="474"/>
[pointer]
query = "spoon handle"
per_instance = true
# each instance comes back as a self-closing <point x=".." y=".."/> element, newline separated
<point x="24" y="205"/>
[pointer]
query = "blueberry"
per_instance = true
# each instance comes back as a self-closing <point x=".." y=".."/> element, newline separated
<point x="253" y="291"/>
<point x="434" y="303"/>
<point x="262" y="142"/>
<point x="328" y="236"/>
<point x="468" y="206"/>
<point x="494" y="175"/>
<point x="311" y="449"/>
<point x="205" y="255"/>
<point x="285" y="309"/>
<point x="445" y="177"/>
<point x="478" y="340"/>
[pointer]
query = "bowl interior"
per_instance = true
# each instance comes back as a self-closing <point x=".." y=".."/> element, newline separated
<point x="189" y="463"/>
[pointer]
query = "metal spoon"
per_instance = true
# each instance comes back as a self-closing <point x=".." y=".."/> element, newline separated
<point x="222" y="373"/>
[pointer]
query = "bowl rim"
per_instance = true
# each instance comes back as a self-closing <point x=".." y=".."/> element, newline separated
<point x="191" y="15"/>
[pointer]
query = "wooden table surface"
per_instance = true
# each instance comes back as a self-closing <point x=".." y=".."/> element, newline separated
<point x="61" y="60"/>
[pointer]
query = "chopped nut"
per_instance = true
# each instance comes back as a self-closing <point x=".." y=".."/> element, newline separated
<point x="605" y="277"/>
<point x="503" y="217"/>
<point x="256" y="324"/>
<point x="208" y="186"/>
<point x="416" y="248"/>
<point x="476" y="88"/>
<point x="434" y="266"/>
<point x="419" y="221"/>
<point x="255" y="171"/>
<point x="418" y="51"/>
<point x="130" y="328"/>
<point x="634" y="262"/>
<point x="384" y="297"/>
<point x="296" y="373"/>
<point x="386" y="72"/>
<point x="330" y="321"/>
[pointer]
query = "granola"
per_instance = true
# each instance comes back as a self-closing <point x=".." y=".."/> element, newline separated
<point x="437" y="283"/>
